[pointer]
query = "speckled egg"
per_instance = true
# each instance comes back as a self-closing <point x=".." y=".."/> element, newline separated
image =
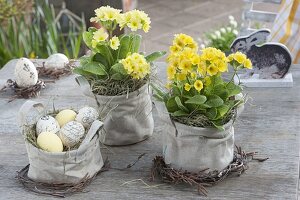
<point x="65" y="116"/>
<point x="25" y="73"/>
<point x="49" y="141"/>
<point x="47" y="124"/>
<point x="71" y="133"/>
<point x="57" y="60"/>
<point x="86" y="116"/>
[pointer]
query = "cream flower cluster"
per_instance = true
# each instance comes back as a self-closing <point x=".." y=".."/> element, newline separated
<point x="106" y="13"/>
<point x="136" y="66"/>
<point x="135" y="20"/>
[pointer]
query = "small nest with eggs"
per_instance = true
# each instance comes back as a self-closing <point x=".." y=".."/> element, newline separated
<point x="23" y="92"/>
<point x="31" y="135"/>
<point x="58" y="190"/>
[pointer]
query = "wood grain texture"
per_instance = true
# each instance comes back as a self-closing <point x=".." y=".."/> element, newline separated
<point x="269" y="125"/>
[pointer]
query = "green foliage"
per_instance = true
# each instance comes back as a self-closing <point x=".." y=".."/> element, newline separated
<point x="109" y="58"/>
<point x="215" y="102"/>
<point x="39" y="37"/>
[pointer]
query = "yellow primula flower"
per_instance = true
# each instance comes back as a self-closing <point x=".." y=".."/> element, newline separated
<point x="134" y="24"/>
<point x="195" y="59"/>
<point x="114" y="43"/>
<point x="201" y="69"/>
<point x="136" y="66"/>
<point x="212" y="70"/>
<point x="222" y="65"/>
<point x="175" y="62"/>
<point x="187" y="87"/>
<point x="32" y="55"/>
<point x="135" y="20"/>
<point x="240" y="57"/>
<point x="193" y="75"/>
<point x="185" y="66"/>
<point x="175" y="48"/>
<point x="106" y="13"/>
<point x="181" y="76"/>
<point x="248" y="64"/>
<point x="198" y="85"/>
<point x="146" y="27"/>
<point x="230" y="57"/>
<point x="100" y="35"/>
<point x="171" y="71"/>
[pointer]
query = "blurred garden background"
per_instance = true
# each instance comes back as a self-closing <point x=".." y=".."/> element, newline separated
<point x="39" y="28"/>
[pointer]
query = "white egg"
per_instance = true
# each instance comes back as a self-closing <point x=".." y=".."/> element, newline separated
<point x="57" y="60"/>
<point x="25" y="73"/>
<point x="47" y="124"/>
<point x="86" y="116"/>
<point x="71" y="133"/>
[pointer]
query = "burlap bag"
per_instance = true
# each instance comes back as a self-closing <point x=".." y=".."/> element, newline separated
<point x="62" y="167"/>
<point x="193" y="148"/>
<point x="128" y="118"/>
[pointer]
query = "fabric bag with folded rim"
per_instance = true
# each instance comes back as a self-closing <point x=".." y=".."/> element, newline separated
<point x="194" y="148"/>
<point x="61" y="167"/>
<point x="128" y="118"/>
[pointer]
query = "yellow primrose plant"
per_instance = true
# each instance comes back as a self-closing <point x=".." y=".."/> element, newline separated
<point x="197" y="94"/>
<point x="115" y="65"/>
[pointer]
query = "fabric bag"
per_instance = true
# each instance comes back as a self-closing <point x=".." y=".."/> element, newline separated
<point x="62" y="167"/>
<point x="128" y="118"/>
<point x="194" y="148"/>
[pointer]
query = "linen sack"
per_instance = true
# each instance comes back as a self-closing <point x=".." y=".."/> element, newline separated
<point x="127" y="118"/>
<point x="194" y="148"/>
<point x="61" y="167"/>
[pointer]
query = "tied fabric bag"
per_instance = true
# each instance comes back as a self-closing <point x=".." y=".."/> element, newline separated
<point x="62" y="167"/>
<point x="128" y="118"/>
<point x="194" y="148"/>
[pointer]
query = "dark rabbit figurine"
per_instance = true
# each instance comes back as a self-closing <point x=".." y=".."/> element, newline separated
<point x="269" y="60"/>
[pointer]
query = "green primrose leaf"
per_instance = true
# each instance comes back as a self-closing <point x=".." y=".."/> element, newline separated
<point x="118" y="68"/>
<point x="214" y="101"/>
<point x="179" y="113"/>
<point x="211" y="113"/>
<point x="172" y="105"/>
<point x="124" y="47"/>
<point x="155" y="55"/>
<point x="197" y="99"/>
<point x="94" y="68"/>
<point x="233" y="89"/>
<point x="135" y="43"/>
<point x="180" y="105"/>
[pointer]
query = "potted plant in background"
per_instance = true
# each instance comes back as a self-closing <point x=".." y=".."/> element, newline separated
<point x="117" y="75"/>
<point x="199" y="106"/>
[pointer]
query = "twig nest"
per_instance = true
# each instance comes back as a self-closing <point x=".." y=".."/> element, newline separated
<point x="65" y="116"/>
<point x="47" y="124"/>
<point x="49" y="141"/>
<point x="86" y="116"/>
<point x="71" y="133"/>
<point x="26" y="74"/>
<point x="57" y="60"/>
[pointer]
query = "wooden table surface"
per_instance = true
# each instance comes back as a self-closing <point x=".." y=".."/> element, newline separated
<point x="269" y="125"/>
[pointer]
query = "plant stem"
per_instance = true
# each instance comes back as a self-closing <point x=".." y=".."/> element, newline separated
<point x="232" y="77"/>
